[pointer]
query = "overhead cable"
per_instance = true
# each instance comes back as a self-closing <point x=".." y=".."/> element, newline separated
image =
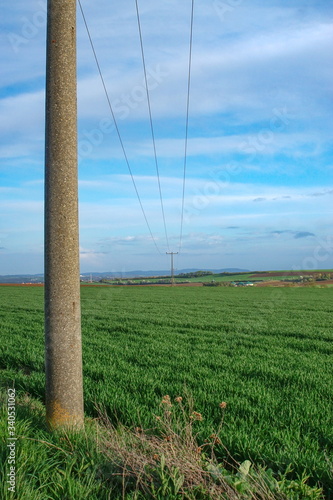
<point x="151" y="120"/>
<point x="186" y="126"/>
<point x="116" y="126"/>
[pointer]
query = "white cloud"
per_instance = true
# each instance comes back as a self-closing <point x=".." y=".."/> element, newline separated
<point x="247" y="63"/>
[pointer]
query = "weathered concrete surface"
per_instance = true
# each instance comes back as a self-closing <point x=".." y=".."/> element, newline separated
<point x="63" y="356"/>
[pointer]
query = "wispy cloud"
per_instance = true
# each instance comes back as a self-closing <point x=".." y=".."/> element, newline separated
<point x="296" y="234"/>
<point x="259" y="158"/>
<point x="303" y="234"/>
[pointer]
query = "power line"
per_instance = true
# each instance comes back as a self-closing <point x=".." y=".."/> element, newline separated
<point x="151" y="120"/>
<point x="186" y="127"/>
<point x="116" y="126"/>
<point x="151" y="126"/>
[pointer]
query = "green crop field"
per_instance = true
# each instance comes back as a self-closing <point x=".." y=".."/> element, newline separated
<point x="266" y="352"/>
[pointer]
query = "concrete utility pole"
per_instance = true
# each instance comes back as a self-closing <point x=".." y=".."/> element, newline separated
<point x="63" y="357"/>
<point x="172" y="270"/>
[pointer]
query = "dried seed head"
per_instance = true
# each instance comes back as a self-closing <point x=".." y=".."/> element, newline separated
<point x="196" y="416"/>
<point x="179" y="399"/>
<point x="166" y="400"/>
<point x="215" y="439"/>
<point x="223" y="405"/>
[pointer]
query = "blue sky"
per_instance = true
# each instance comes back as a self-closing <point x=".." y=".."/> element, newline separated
<point x="259" y="173"/>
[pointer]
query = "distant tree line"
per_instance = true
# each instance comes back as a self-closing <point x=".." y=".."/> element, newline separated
<point x="218" y="283"/>
<point x="323" y="276"/>
<point x="195" y="274"/>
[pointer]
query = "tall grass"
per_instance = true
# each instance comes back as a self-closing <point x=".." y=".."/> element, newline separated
<point x="109" y="462"/>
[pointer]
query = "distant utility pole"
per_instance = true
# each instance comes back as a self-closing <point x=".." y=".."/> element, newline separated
<point x="63" y="355"/>
<point x="172" y="270"/>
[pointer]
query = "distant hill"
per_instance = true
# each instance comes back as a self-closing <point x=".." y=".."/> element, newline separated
<point x="146" y="274"/>
<point x="22" y="278"/>
<point x="39" y="278"/>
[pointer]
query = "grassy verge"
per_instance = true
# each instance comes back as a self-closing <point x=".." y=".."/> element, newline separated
<point x="114" y="462"/>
